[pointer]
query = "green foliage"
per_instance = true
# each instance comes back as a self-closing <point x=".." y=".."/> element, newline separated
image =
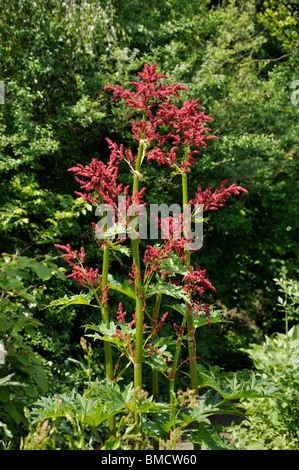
<point x="168" y="289"/>
<point x="80" y="299"/>
<point x="234" y="385"/>
<point x="273" y="422"/>
<point x="289" y="303"/>
<point x="105" y="399"/>
<point x="76" y="420"/>
<point x="209" y="439"/>
<point x="18" y="326"/>
<point x="51" y="86"/>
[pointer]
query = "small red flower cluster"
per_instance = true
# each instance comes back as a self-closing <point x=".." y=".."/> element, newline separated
<point x="101" y="179"/>
<point x="157" y="328"/>
<point x="153" y="256"/>
<point x="195" y="281"/>
<point x="187" y="132"/>
<point x="134" y="275"/>
<point x="162" y="121"/>
<point x="125" y="333"/>
<point x="148" y="90"/>
<point x="212" y="201"/>
<point x="179" y="329"/>
<point x="150" y="345"/>
<point x="127" y="339"/>
<point x="85" y="276"/>
<point x="199" y="308"/>
<point x="120" y="316"/>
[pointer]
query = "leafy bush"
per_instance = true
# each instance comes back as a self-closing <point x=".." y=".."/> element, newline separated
<point x="273" y="422"/>
<point x="18" y="326"/>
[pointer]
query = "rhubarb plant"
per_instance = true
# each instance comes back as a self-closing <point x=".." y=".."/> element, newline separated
<point x="167" y="133"/>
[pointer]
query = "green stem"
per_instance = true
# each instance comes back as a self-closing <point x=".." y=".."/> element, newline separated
<point x="138" y="293"/>
<point x="188" y="312"/>
<point x="138" y="284"/>
<point x="139" y="319"/>
<point x="105" y="319"/>
<point x="98" y="435"/>
<point x="172" y="374"/>
<point x="87" y="395"/>
<point x="155" y="384"/>
<point x="107" y="345"/>
<point x="188" y="318"/>
<point x="155" y="373"/>
<point x="105" y="316"/>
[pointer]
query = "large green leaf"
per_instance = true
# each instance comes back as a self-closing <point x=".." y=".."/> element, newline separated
<point x="234" y="385"/>
<point x="109" y="334"/>
<point x="157" y="360"/>
<point x="216" y="316"/>
<point x="209" y="439"/>
<point x="80" y="299"/>
<point x="166" y="288"/>
<point x="125" y="288"/>
<point x="14" y="413"/>
<point x="103" y="332"/>
<point x="42" y="271"/>
<point x="96" y="415"/>
<point x="4" y="381"/>
<point x="174" y="264"/>
<point x="115" y="398"/>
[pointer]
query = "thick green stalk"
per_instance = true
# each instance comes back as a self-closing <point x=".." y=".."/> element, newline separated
<point x="87" y="395"/>
<point x="155" y="373"/>
<point x="138" y="293"/>
<point x="138" y="284"/>
<point x="188" y="318"/>
<point x="155" y="383"/>
<point x="188" y="312"/>
<point x="107" y="345"/>
<point x="105" y="317"/>
<point x="172" y="373"/>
